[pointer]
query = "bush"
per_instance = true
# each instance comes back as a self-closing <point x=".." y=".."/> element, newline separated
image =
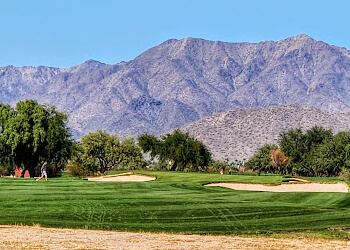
<point x="215" y="166"/>
<point x="6" y="169"/>
<point x="345" y="174"/>
<point x="74" y="169"/>
<point x="3" y="171"/>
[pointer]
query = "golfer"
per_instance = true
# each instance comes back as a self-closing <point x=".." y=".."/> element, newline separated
<point x="43" y="171"/>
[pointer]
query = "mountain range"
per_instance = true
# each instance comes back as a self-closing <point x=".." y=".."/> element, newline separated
<point x="182" y="81"/>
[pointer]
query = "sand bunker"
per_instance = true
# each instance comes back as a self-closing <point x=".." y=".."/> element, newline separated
<point x="12" y="237"/>
<point x="287" y="187"/>
<point x="124" y="177"/>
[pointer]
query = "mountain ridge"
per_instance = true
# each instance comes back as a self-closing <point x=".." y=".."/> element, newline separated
<point x="237" y="134"/>
<point x="181" y="81"/>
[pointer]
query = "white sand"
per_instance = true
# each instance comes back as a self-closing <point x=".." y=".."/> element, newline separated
<point x="17" y="237"/>
<point x="124" y="177"/>
<point x="338" y="187"/>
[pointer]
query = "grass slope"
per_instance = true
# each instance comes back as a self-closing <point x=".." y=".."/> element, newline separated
<point x="175" y="202"/>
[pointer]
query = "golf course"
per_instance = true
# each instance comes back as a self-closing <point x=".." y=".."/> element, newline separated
<point x="176" y="203"/>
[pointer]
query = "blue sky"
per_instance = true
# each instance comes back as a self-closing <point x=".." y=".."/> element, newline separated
<point x="64" y="33"/>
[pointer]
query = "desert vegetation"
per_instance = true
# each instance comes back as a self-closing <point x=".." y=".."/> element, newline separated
<point x="177" y="151"/>
<point x="99" y="152"/>
<point x="315" y="152"/>
<point x="32" y="133"/>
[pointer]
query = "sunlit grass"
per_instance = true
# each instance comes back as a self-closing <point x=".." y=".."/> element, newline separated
<point x="175" y="202"/>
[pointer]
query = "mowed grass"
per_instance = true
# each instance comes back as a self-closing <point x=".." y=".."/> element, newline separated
<point x="174" y="203"/>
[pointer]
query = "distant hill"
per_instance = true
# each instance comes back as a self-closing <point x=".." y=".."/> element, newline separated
<point x="237" y="134"/>
<point x="181" y="81"/>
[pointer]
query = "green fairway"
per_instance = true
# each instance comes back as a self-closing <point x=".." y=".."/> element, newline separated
<point x="175" y="202"/>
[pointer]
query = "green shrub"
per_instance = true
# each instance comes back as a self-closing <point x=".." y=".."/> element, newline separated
<point x="74" y="169"/>
<point x="345" y="174"/>
<point x="2" y="171"/>
<point x="6" y="169"/>
<point x="215" y="166"/>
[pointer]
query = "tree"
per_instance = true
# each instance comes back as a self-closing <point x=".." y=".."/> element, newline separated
<point x="279" y="161"/>
<point x="303" y="149"/>
<point x="261" y="161"/>
<point x="184" y="152"/>
<point x="6" y="159"/>
<point x="101" y="151"/>
<point x="347" y="155"/>
<point x="128" y="155"/>
<point x="200" y="154"/>
<point x="149" y="144"/>
<point x="331" y="156"/>
<point x="293" y="144"/>
<point x="98" y="150"/>
<point x="316" y="136"/>
<point x="32" y="133"/>
<point x="58" y="139"/>
<point x="178" y="151"/>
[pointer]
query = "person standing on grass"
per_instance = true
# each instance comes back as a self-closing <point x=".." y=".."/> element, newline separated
<point x="43" y="171"/>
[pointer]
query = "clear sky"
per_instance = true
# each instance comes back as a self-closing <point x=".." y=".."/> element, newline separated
<point x="64" y="33"/>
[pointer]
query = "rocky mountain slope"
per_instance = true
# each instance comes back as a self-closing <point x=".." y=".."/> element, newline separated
<point x="237" y="134"/>
<point x="181" y="81"/>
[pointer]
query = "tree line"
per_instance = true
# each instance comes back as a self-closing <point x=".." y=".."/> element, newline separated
<point x="99" y="152"/>
<point x="315" y="152"/>
<point x="32" y="133"/>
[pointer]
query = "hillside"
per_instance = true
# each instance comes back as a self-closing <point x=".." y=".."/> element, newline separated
<point x="181" y="81"/>
<point x="237" y="134"/>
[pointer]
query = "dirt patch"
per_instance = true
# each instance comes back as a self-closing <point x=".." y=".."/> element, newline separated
<point x="124" y="177"/>
<point x="338" y="187"/>
<point x="14" y="237"/>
